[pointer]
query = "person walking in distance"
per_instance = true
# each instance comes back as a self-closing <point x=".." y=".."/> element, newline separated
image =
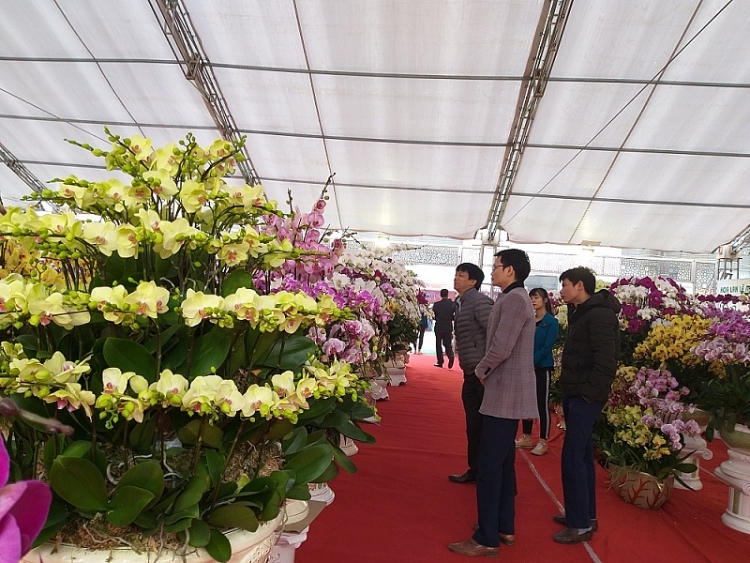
<point x="444" y="311"/>
<point x="507" y="373"/>
<point x="471" y="338"/>
<point x="545" y="337"/>
<point x="589" y="363"/>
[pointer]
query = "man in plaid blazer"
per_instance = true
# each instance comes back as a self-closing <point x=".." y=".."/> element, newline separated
<point x="507" y="373"/>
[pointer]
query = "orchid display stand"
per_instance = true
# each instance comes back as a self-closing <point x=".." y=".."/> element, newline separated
<point x="289" y="540"/>
<point x="247" y="547"/>
<point x="735" y="472"/>
<point x="699" y="448"/>
<point x="397" y="369"/>
<point x="348" y="446"/>
<point x="378" y="389"/>
<point x="321" y="492"/>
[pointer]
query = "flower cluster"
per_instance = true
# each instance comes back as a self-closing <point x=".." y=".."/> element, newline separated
<point x="646" y="299"/>
<point x="643" y="417"/>
<point x="177" y="309"/>
<point x="673" y="338"/>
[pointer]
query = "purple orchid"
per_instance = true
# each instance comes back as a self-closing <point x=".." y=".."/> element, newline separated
<point x="23" y="511"/>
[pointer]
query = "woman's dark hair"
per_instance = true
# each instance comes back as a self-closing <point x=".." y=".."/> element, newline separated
<point x="541" y="292"/>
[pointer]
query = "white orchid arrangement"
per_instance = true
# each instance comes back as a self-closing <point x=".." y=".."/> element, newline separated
<point x="134" y="315"/>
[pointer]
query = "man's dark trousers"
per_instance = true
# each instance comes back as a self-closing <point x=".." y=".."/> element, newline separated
<point x="472" y="393"/>
<point x="496" y="482"/>
<point x="578" y="471"/>
<point x="443" y="339"/>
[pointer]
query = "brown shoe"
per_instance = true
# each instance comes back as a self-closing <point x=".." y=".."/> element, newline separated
<point x="470" y="548"/>
<point x="560" y="519"/>
<point x="571" y="535"/>
<point x="507" y="539"/>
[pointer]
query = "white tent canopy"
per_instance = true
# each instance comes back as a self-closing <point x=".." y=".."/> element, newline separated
<point x="638" y="139"/>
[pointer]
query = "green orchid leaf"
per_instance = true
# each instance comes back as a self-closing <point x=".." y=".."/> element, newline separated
<point x="329" y="474"/>
<point x="78" y="448"/>
<point x="52" y="449"/>
<point x="200" y="533"/>
<point x="344" y="461"/>
<point x="176" y="357"/>
<point x="79" y="482"/>
<point x="310" y="462"/>
<point x="319" y="408"/>
<point x="272" y="508"/>
<point x="236" y="280"/>
<point x="126" y="504"/>
<point x="209" y="352"/>
<point x="299" y="492"/>
<point x="236" y="357"/>
<point x="146" y="520"/>
<point x="160" y="340"/>
<point x="284" y="480"/>
<point x="147" y="475"/>
<point x="295" y="442"/>
<point x="290" y="354"/>
<point x="141" y="437"/>
<point x="193" y="491"/>
<point x="280" y="428"/>
<point x="212" y="435"/>
<point x="233" y="516"/>
<point x="190" y="513"/>
<point x="258" y="345"/>
<point x="219" y="547"/>
<point x="56" y="517"/>
<point x="130" y="356"/>
<point x="179" y="526"/>
<point x="215" y="464"/>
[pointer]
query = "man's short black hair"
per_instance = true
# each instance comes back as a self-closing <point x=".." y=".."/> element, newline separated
<point x="581" y="274"/>
<point x="518" y="259"/>
<point x="443" y="293"/>
<point x="474" y="271"/>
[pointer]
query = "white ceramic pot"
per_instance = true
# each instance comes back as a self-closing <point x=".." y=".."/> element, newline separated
<point x="247" y="547"/>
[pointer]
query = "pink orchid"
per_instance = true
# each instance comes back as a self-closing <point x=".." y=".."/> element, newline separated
<point x="23" y="511"/>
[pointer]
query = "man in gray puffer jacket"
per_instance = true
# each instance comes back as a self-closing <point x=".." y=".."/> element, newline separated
<point x="474" y="309"/>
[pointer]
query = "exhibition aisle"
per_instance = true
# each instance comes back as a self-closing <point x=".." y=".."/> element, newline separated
<point x="401" y="508"/>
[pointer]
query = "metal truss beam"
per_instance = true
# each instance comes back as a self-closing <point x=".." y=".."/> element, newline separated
<point x="186" y="45"/>
<point x="20" y="170"/>
<point x="552" y="29"/>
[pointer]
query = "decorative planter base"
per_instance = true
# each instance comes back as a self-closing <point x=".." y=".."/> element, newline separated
<point x="378" y="389"/>
<point x="348" y="446"/>
<point x="700" y="450"/>
<point x="396" y="376"/>
<point x="735" y="472"/>
<point x="641" y="489"/>
<point x="247" y="547"/>
<point x="322" y="492"/>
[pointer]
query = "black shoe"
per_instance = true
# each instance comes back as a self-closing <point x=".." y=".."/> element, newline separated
<point x="468" y="477"/>
<point x="571" y="535"/>
<point x="450" y="362"/>
<point x="560" y="519"/>
<point x="438" y="365"/>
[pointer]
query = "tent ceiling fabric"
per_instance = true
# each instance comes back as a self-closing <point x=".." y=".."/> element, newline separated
<point x="640" y="139"/>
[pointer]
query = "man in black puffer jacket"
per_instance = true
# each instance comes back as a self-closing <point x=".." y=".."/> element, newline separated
<point x="474" y="310"/>
<point x="589" y="363"/>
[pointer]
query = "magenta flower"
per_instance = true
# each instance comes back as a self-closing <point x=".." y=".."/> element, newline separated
<point x="23" y="511"/>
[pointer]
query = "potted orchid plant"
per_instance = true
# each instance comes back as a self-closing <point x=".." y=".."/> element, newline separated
<point x="141" y="313"/>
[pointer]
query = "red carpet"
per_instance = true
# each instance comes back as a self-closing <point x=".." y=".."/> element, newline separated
<point x="401" y="508"/>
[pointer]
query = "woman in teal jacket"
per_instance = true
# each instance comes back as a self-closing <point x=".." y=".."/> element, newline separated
<point x="545" y="336"/>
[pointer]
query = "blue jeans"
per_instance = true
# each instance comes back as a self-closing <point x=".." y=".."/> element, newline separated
<point x="496" y="480"/>
<point x="578" y="472"/>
